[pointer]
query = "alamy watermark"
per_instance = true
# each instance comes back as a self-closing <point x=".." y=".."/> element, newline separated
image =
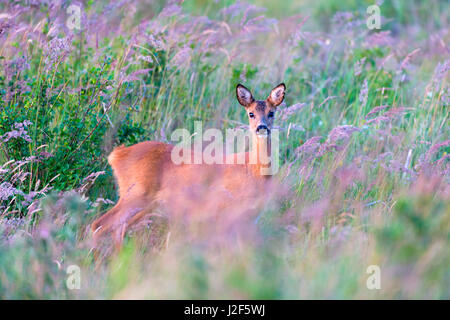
<point x="211" y="147"/>
<point x="73" y="21"/>
<point x="374" y="280"/>
<point x="73" y="281"/>
<point x="373" y="21"/>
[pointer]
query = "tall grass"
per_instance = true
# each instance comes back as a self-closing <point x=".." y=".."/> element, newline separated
<point x="364" y="146"/>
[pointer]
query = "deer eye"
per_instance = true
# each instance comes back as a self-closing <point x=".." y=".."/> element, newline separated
<point x="271" y="114"/>
<point x="251" y="115"/>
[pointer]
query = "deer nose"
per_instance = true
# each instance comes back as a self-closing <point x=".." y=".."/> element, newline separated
<point x="262" y="129"/>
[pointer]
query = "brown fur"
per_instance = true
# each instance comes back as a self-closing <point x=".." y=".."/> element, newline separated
<point x="146" y="177"/>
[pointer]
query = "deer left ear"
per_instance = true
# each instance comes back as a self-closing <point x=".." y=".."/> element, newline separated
<point x="276" y="96"/>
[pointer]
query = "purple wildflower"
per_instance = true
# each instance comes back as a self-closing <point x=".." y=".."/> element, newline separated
<point x="341" y="133"/>
<point x="358" y="68"/>
<point x="7" y="190"/>
<point x="375" y="110"/>
<point x="19" y="131"/>
<point x="364" y="93"/>
<point x="435" y="148"/>
<point x="57" y="49"/>
<point x="170" y="11"/>
<point x="310" y="145"/>
<point x="285" y="113"/>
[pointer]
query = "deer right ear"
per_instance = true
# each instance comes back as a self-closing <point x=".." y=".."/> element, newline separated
<point x="276" y="96"/>
<point x="244" y="95"/>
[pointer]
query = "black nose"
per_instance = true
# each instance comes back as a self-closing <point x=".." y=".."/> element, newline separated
<point x="262" y="127"/>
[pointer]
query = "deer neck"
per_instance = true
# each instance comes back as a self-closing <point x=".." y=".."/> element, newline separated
<point x="260" y="155"/>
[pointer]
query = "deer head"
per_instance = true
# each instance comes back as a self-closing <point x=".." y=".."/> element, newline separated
<point x="261" y="113"/>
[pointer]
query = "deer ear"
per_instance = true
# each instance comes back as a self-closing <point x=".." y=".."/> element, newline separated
<point x="276" y="96"/>
<point x="244" y="95"/>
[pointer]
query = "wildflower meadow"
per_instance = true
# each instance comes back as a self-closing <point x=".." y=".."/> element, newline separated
<point x="360" y="205"/>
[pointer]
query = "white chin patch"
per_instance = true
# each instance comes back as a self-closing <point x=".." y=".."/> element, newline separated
<point x="262" y="133"/>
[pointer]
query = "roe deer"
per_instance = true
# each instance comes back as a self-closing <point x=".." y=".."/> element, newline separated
<point x="146" y="175"/>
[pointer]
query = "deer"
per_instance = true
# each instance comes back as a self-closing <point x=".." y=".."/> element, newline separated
<point x="146" y="175"/>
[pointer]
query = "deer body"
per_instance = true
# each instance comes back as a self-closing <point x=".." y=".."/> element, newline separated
<point x="147" y="177"/>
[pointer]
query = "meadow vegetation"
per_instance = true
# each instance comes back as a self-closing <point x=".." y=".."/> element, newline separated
<point x="364" y="147"/>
